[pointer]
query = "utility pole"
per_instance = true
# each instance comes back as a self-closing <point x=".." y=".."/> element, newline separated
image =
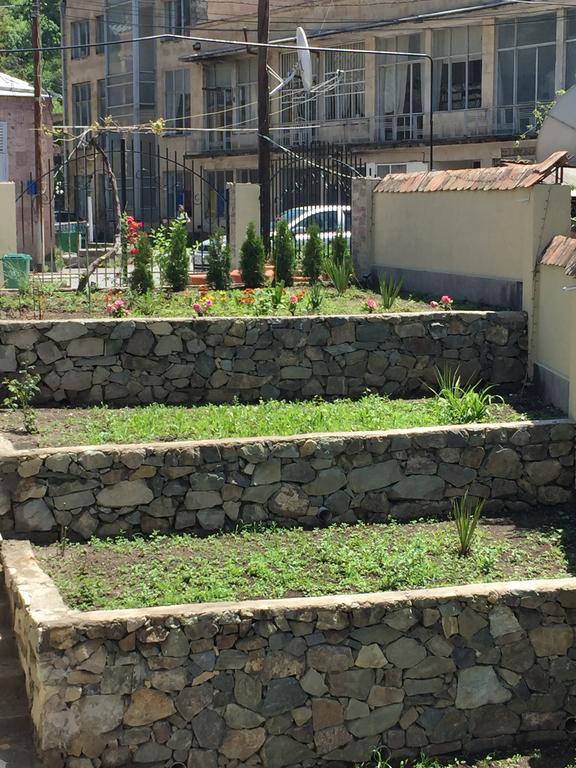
<point x="38" y="130"/>
<point x="264" y="122"/>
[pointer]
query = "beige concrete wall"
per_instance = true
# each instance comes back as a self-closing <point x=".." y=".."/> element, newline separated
<point x="494" y="236"/>
<point x="8" y="240"/>
<point x="553" y="325"/>
<point x="243" y="207"/>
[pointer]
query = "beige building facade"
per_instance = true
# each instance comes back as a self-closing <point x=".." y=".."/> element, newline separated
<point x="492" y="63"/>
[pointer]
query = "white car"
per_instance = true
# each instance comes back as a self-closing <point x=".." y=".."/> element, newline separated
<point x="329" y="218"/>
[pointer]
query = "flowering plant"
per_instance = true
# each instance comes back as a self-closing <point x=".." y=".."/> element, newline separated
<point x="203" y="304"/>
<point x="370" y="305"/>
<point x="117" y="308"/>
<point x="445" y="302"/>
<point x="293" y="303"/>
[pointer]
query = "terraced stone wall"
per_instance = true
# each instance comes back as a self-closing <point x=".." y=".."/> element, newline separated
<point x="296" y="683"/>
<point x="306" y="480"/>
<point x="135" y="361"/>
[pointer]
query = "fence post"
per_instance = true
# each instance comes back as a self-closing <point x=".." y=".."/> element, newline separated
<point x="243" y="207"/>
<point x="362" y="236"/>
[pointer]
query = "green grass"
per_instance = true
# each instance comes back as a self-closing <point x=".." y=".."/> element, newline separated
<point x="561" y="756"/>
<point x="274" y="563"/>
<point x="158" y="422"/>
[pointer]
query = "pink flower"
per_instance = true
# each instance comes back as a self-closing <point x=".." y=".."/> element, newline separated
<point x="294" y="299"/>
<point x="434" y="304"/>
<point x="208" y="303"/>
<point x="371" y="303"/>
<point x="197" y="307"/>
<point x="133" y="251"/>
<point x="446" y="300"/>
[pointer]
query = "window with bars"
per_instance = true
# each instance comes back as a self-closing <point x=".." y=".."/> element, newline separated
<point x="400" y="89"/>
<point x="297" y="106"/>
<point x="100" y="35"/>
<point x="177" y="95"/>
<point x="177" y="17"/>
<point x="3" y="151"/>
<point x="82" y="104"/>
<point x="80" y="36"/>
<point x="457" y="56"/>
<point x="526" y="60"/>
<point x="346" y="100"/>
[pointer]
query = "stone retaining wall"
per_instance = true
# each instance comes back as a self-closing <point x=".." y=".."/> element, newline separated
<point x="208" y="359"/>
<point x="309" y="480"/>
<point x="301" y="682"/>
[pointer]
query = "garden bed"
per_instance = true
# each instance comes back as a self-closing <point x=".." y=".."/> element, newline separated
<point x="44" y="302"/>
<point x="278" y="563"/>
<point x="156" y="422"/>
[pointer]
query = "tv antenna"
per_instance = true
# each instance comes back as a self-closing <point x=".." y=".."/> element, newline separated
<point x="303" y="69"/>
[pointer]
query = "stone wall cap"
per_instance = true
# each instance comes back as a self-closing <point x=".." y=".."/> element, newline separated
<point x="46" y="607"/>
<point x="224" y="442"/>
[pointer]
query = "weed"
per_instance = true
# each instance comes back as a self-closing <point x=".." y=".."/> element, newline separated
<point x="21" y="391"/>
<point x="463" y="403"/>
<point x="466" y="514"/>
<point x="389" y="290"/>
<point x="315" y="298"/>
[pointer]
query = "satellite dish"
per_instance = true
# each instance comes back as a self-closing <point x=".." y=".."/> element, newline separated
<point x="304" y="59"/>
<point x="303" y="68"/>
<point x="558" y="131"/>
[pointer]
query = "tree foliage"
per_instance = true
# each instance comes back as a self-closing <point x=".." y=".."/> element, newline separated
<point x="177" y="261"/>
<point x="313" y="254"/>
<point x="141" y="280"/>
<point x="252" y="258"/>
<point x="218" y="272"/>
<point x="16" y="32"/>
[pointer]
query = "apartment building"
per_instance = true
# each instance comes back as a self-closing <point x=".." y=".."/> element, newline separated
<point x="490" y="63"/>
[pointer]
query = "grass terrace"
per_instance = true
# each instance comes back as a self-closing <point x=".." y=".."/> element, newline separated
<point x="274" y="563"/>
<point x="159" y="423"/>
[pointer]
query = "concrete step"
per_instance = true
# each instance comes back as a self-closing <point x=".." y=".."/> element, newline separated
<point x="14" y="729"/>
<point x="19" y="755"/>
<point x="7" y="646"/>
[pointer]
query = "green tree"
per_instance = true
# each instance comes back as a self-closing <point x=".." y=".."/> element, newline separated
<point x="218" y="272"/>
<point x="16" y="32"/>
<point x="177" y="261"/>
<point x="252" y="259"/>
<point x="313" y="254"/>
<point x="141" y="280"/>
<point x="284" y="254"/>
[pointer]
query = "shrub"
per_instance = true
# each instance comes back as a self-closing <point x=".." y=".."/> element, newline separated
<point x="141" y="280"/>
<point x="389" y="290"/>
<point x="21" y="392"/>
<point x="252" y="259"/>
<point x="176" y="270"/>
<point x="218" y="273"/>
<point x="338" y="265"/>
<point x="313" y="254"/>
<point x="284" y="254"/>
<point x="463" y="403"/>
<point x="466" y="515"/>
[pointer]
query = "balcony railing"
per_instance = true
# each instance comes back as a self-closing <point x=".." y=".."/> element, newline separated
<point x="459" y="125"/>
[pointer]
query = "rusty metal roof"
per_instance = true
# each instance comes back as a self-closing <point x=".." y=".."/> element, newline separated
<point x="509" y="176"/>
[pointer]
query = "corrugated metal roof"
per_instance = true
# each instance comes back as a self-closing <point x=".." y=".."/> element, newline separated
<point x="509" y="176"/>
<point x="561" y="252"/>
<point x="13" y="86"/>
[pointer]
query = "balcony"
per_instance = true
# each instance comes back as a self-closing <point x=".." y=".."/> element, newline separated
<point x="456" y="126"/>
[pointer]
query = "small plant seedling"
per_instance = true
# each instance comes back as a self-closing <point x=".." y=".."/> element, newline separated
<point x="463" y="402"/>
<point x="315" y="297"/>
<point x="21" y="391"/>
<point x="389" y="290"/>
<point x="466" y="515"/>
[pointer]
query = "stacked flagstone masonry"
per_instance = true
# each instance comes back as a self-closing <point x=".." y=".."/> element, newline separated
<point x="301" y="682"/>
<point x="131" y="361"/>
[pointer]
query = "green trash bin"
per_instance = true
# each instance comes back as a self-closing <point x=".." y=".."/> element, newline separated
<point x="16" y="267"/>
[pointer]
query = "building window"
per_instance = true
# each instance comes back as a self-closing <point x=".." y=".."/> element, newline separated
<point x="526" y="61"/>
<point x="570" y="75"/>
<point x="346" y="100"/>
<point x="177" y="92"/>
<point x="296" y="107"/>
<point x="177" y="17"/>
<point x="101" y="99"/>
<point x="457" y="56"/>
<point x="100" y="34"/>
<point x="400" y="90"/>
<point x="246" y="92"/>
<point x="82" y="106"/>
<point x="80" y="37"/>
